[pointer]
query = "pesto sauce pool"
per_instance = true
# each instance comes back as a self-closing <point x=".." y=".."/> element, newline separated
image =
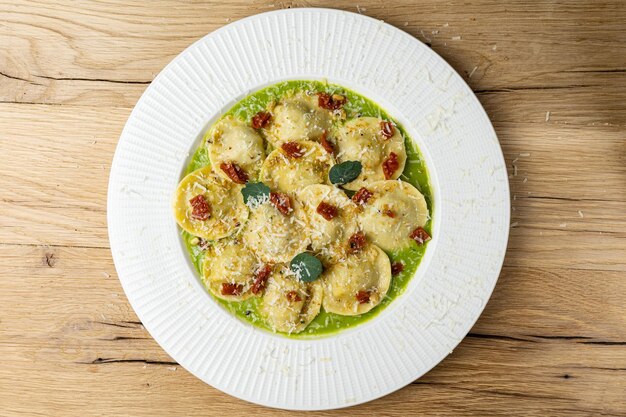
<point x="414" y="173"/>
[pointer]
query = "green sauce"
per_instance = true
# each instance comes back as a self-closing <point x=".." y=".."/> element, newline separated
<point x="414" y="173"/>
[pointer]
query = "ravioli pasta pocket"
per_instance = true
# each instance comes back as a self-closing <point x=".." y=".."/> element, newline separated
<point x="306" y="209"/>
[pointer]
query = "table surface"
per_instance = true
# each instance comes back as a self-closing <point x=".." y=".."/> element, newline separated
<point x="552" y="77"/>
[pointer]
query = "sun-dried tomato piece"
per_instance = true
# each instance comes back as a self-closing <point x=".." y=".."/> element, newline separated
<point x="234" y="172"/>
<point x="331" y="102"/>
<point x="231" y="288"/>
<point x="201" y="210"/>
<point x="260" y="279"/>
<point x="389" y="213"/>
<point x="324" y="101"/>
<point x="387" y="129"/>
<point x="327" y="211"/>
<point x="420" y="235"/>
<point x="281" y="202"/>
<point x="356" y="242"/>
<point x="362" y="196"/>
<point x="390" y="165"/>
<point x="293" y="296"/>
<point x="261" y="119"/>
<point x="396" y="268"/>
<point x="293" y="149"/>
<point x="326" y="144"/>
<point x="363" y="297"/>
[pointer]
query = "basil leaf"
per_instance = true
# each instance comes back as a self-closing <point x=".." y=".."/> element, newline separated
<point x="306" y="267"/>
<point x="255" y="193"/>
<point x="345" y="172"/>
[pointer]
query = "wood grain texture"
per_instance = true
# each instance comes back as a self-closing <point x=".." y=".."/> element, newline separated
<point x="552" y="340"/>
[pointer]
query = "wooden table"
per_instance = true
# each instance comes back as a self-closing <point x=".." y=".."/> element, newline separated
<point x="551" y="75"/>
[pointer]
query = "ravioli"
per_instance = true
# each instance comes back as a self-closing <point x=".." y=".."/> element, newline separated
<point x="329" y="234"/>
<point x="395" y="209"/>
<point x="288" y="174"/>
<point x="358" y="283"/>
<point x="361" y="139"/>
<point x="289" y="305"/>
<point x="297" y="118"/>
<point x="232" y="141"/>
<point x="273" y="236"/>
<point x="224" y="211"/>
<point x="229" y="270"/>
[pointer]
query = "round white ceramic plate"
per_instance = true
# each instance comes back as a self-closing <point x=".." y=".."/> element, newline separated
<point x="454" y="280"/>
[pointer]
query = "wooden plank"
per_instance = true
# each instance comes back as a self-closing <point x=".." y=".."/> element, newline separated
<point x="551" y="187"/>
<point x="50" y="51"/>
<point x="60" y="171"/>
<point x="531" y="350"/>
<point x="131" y="389"/>
<point x="69" y="278"/>
<point x="557" y="303"/>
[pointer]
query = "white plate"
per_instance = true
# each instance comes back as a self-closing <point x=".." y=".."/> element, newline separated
<point x="454" y="280"/>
